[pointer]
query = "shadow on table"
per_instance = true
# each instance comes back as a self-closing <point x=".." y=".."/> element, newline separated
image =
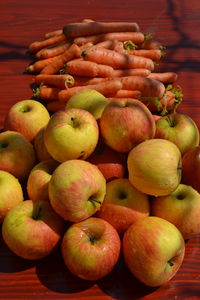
<point x="13" y="51"/>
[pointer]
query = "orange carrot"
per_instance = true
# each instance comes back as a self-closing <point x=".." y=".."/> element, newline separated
<point x="47" y="93"/>
<point x="167" y="102"/>
<point x="105" y="87"/>
<point x="53" y="33"/>
<point x="151" y="44"/>
<point x="87" y="21"/>
<point x="39" y="65"/>
<point x="53" y="51"/>
<point x="127" y="94"/>
<point x="117" y="60"/>
<point x="136" y="37"/>
<point x="84" y="29"/>
<point x="60" y="81"/>
<point x="36" y="46"/>
<point x="54" y="106"/>
<point x="88" y="68"/>
<point x="60" y="60"/>
<point x="130" y="72"/>
<point x="81" y="80"/>
<point x="166" y="77"/>
<point x="154" y="54"/>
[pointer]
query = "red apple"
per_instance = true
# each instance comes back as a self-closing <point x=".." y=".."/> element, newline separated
<point x="39" y="146"/>
<point x="76" y="190"/>
<point x="112" y="164"/>
<point x="153" y="250"/>
<point x="91" y="248"/>
<point x="27" y="117"/>
<point x="123" y="204"/>
<point x="191" y="168"/>
<point x="32" y="230"/>
<point x="17" y="155"/>
<point x="125" y="123"/>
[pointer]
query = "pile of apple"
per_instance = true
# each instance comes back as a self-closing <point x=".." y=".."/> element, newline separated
<point x="101" y="177"/>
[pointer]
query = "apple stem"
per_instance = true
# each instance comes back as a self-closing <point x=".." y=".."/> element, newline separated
<point x="37" y="212"/>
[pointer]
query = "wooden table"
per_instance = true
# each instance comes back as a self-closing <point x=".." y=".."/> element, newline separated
<point x="176" y="24"/>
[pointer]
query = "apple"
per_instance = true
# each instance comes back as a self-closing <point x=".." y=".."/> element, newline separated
<point x="125" y="123"/>
<point x="153" y="250"/>
<point x="17" y="155"/>
<point x="182" y="208"/>
<point x="38" y="180"/>
<point x="27" y="117"/>
<point x="76" y="190"/>
<point x="39" y="146"/>
<point x="71" y="134"/>
<point x="90" y="100"/>
<point x="91" y="248"/>
<point x="123" y="204"/>
<point x="32" y="230"/>
<point x="154" y="167"/>
<point x="180" y="129"/>
<point x="191" y="168"/>
<point x="11" y="193"/>
<point x="111" y="163"/>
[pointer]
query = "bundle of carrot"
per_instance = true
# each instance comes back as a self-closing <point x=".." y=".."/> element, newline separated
<point x="114" y="58"/>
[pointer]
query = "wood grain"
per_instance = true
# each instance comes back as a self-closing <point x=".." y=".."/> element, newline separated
<point x="176" y="24"/>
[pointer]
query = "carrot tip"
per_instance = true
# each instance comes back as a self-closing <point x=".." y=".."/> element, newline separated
<point x="36" y="92"/>
<point x="29" y="69"/>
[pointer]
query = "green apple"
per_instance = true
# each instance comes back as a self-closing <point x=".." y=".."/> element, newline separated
<point x="38" y="180"/>
<point x="180" y="129"/>
<point x="76" y="190"/>
<point x="17" y="155"/>
<point x="154" y="167"/>
<point x="153" y="250"/>
<point x="90" y="100"/>
<point x="123" y="204"/>
<point x="91" y="248"/>
<point x="182" y="208"/>
<point x="11" y="193"/>
<point x="71" y="134"/>
<point x="27" y="117"/>
<point x="32" y="230"/>
<point x="125" y="123"/>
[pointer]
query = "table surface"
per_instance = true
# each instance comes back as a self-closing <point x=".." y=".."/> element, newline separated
<point x="176" y="24"/>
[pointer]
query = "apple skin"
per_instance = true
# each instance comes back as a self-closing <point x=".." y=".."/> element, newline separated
<point x="11" y="193"/>
<point x="123" y="204"/>
<point x="91" y="248"/>
<point x="76" y="190"/>
<point x="27" y="117"/>
<point x="71" y="134"/>
<point x="125" y="123"/>
<point x="182" y="208"/>
<point x="154" y="167"/>
<point x="38" y="180"/>
<point x="111" y="163"/>
<point x="90" y="100"/>
<point x="153" y="250"/>
<point x="180" y="129"/>
<point x="39" y="146"/>
<point x="17" y="155"/>
<point x="191" y="168"/>
<point x="32" y="229"/>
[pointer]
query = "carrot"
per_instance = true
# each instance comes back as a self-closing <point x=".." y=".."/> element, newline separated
<point x="105" y="87"/>
<point x="53" y="33"/>
<point x="73" y="30"/>
<point x="117" y="60"/>
<point x="108" y="44"/>
<point x="130" y="72"/>
<point x="47" y="93"/>
<point x="81" y="80"/>
<point x="127" y="94"/>
<point x="166" y="103"/>
<point x="154" y="54"/>
<point x="136" y="37"/>
<point x="88" y="68"/>
<point x="87" y="21"/>
<point x="53" y="51"/>
<point x="60" y="81"/>
<point x="54" y="106"/>
<point x="166" y="77"/>
<point x="39" y="65"/>
<point x="151" y="44"/>
<point x="60" y="60"/>
<point x="36" y="46"/>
